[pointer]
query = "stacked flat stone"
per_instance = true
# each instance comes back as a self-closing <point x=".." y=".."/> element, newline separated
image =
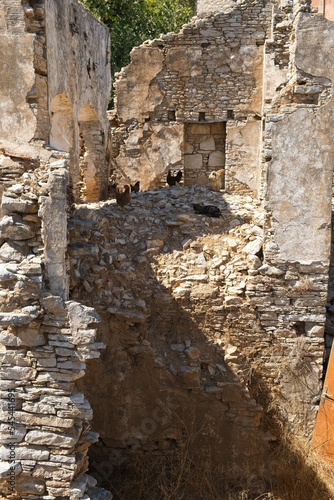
<point x="156" y="258"/>
<point x="46" y="340"/>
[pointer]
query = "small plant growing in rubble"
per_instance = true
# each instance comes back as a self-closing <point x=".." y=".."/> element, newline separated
<point x="303" y="285"/>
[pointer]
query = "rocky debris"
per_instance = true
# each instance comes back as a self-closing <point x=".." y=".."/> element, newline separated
<point x="192" y="298"/>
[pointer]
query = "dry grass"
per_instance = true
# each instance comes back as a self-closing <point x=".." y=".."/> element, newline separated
<point x="293" y="472"/>
<point x="300" y="473"/>
<point x="304" y="285"/>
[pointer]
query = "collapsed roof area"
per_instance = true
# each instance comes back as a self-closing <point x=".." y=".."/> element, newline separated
<point x="226" y="319"/>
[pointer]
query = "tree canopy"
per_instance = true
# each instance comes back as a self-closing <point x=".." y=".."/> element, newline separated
<point x="131" y="22"/>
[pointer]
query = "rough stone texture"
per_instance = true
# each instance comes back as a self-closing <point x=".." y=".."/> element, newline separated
<point x="214" y="327"/>
<point x="194" y="320"/>
<point x="160" y="286"/>
<point x="210" y="73"/>
<point x="249" y="69"/>
<point x="79" y="92"/>
<point x="45" y="347"/>
<point x="45" y="420"/>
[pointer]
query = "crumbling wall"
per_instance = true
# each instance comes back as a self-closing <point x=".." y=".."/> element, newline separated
<point x="211" y="72"/>
<point x="208" y="346"/>
<point x="17" y="118"/>
<point x="24" y="113"/>
<point x="45" y="342"/>
<point x="83" y="83"/>
<point x="257" y="299"/>
<point x="58" y="83"/>
<point x="171" y="287"/>
<point x="298" y="222"/>
<point x="298" y="154"/>
<point x="214" y="327"/>
<point x="45" y="339"/>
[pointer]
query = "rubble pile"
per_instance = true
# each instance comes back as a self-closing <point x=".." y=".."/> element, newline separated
<point x="190" y="298"/>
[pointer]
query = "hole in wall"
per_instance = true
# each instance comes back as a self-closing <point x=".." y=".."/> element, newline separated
<point x="299" y="327"/>
<point x="92" y="170"/>
<point x="171" y="115"/>
<point x="260" y="255"/>
<point x="61" y="132"/>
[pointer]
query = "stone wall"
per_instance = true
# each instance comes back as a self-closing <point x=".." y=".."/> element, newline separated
<point x="171" y="288"/>
<point x="266" y="309"/>
<point x="45" y="99"/>
<point x="210" y="72"/>
<point x="45" y="338"/>
<point x="208" y="346"/>
<point x="214" y="327"/>
<point x="298" y="224"/>
<point x="79" y="92"/>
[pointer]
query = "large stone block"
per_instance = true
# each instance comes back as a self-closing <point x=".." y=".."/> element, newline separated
<point x="52" y="439"/>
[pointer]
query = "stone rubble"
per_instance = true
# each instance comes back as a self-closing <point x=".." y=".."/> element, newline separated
<point x="191" y="297"/>
<point x="213" y="328"/>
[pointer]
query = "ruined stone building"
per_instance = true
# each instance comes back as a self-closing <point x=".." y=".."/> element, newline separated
<point x="148" y="329"/>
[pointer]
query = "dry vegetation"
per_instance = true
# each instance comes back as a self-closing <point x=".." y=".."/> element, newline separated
<point x="293" y="472"/>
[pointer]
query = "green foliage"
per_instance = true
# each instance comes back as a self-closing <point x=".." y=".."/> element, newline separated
<point x="133" y="21"/>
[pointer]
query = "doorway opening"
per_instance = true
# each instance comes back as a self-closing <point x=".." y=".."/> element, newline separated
<point x="204" y="151"/>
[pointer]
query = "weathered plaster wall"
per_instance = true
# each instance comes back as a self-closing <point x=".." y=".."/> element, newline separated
<point x="17" y="119"/>
<point x="243" y="142"/>
<point x="55" y="241"/>
<point x="214" y="66"/>
<point x="73" y="35"/>
<point x="24" y="87"/>
<point x="83" y="83"/>
<point x="300" y="223"/>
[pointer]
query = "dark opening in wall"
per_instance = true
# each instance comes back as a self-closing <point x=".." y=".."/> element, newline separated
<point x="201" y="116"/>
<point x="230" y="114"/>
<point x="171" y="116"/>
<point x="299" y="327"/>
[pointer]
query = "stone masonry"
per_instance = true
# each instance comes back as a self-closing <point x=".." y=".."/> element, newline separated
<point x="246" y="89"/>
<point x="211" y="330"/>
<point x="45" y="430"/>
<point x="50" y="122"/>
